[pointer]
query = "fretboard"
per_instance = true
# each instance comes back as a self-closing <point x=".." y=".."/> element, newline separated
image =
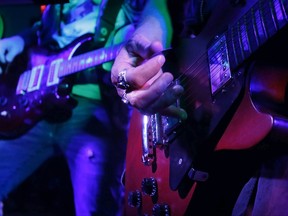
<point x="88" y="60"/>
<point x="252" y="30"/>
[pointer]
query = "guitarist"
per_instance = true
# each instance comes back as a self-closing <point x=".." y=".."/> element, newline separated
<point x="266" y="193"/>
<point x="93" y="139"/>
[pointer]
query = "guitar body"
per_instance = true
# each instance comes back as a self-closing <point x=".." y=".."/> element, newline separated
<point x="136" y="172"/>
<point x="220" y="92"/>
<point x="20" y="111"/>
<point x="232" y="104"/>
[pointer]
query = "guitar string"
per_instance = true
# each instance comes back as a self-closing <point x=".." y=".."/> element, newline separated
<point x="203" y="58"/>
<point x="109" y="54"/>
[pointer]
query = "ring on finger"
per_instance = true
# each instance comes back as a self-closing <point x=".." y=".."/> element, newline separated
<point x="124" y="98"/>
<point x="122" y="81"/>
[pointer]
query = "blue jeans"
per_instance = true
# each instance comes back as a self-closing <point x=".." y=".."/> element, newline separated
<point x="93" y="141"/>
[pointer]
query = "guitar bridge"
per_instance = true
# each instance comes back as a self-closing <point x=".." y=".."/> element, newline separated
<point x="157" y="132"/>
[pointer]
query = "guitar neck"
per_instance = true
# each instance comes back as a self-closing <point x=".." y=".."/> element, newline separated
<point x="243" y="38"/>
<point x="88" y="60"/>
<point x="256" y="27"/>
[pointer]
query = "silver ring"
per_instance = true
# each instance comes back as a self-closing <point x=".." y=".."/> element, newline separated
<point x="121" y="80"/>
<point x="124" y="98"/>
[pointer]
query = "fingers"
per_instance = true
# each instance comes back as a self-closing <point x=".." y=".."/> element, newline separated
<point x="174" y="111"/>
<point x="144" y="97"/>
<point x="160" y="97"/>
<point x="148" y="88"/>
<point x="137" y="75"/>
<point x="7" y="55"/>
<point x="143" y="47"/>
<point x="145" y="73"/>
<point x="2" y="54"/>
<point x="11" y="55"/>
<point x="168" y="97"/>
<point x="10" y="47"/>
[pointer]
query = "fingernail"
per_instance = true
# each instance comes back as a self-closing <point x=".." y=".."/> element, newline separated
<point x="161" y="59"/>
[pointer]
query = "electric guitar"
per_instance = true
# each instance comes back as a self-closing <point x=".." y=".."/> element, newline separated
<point x="230" y="104"/>
<point x="37" y="85"/>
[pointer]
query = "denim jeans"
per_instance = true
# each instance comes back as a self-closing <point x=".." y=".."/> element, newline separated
<point x="93" y="141"/>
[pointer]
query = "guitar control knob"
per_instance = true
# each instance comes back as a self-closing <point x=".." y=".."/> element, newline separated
<point x="135" y="199"/>
<point x="149" y="186"/>
<point x="161" y="210"/>
<point x="3" y="101"/>
<point x="23" y="101"/>
<point x="63" y="89"/>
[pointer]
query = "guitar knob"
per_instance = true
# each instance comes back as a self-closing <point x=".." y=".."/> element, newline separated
<point x="3" y="101"/>
<point x="161" y="210"/>
<point x="149" y="186"/>
<point x="135" y="199"/>
<point x="63" y="89"/>
<point x="23" y="101"/>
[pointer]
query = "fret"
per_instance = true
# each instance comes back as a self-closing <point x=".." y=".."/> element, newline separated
<point x="87" y="60"/>
<point x="279" y="13"/>
<point x="36" y="77"/>
<point x="81" y="64"/>
<point x="231" y="49"/>
<point x="252" y="31"/>
<point x="259" y="25"/>
<point x="102" y="56"/>
<point x="237" y="44"/>
<point x="75" y="66"/>
<point x="243" y="33"/>
<point x="53" y="72"/>
<point x="23" y="82"/>
<point x="285" y="6"/>
<point x="268" y="18"/>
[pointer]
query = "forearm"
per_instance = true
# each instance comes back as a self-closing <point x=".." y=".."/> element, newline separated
<point x="30" y="35"/>
<point x="155" y="23"/>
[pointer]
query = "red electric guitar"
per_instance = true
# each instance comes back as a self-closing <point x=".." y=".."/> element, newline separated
<point x="230" y="105"/>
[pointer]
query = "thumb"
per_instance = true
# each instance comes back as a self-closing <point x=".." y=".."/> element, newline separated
<point x="11" y="55"/>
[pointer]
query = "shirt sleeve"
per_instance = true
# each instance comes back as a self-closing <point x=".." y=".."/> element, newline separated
<point x="30" y="35"/>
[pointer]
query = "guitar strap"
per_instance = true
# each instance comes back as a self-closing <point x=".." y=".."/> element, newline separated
<point x="107" y="21"/>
